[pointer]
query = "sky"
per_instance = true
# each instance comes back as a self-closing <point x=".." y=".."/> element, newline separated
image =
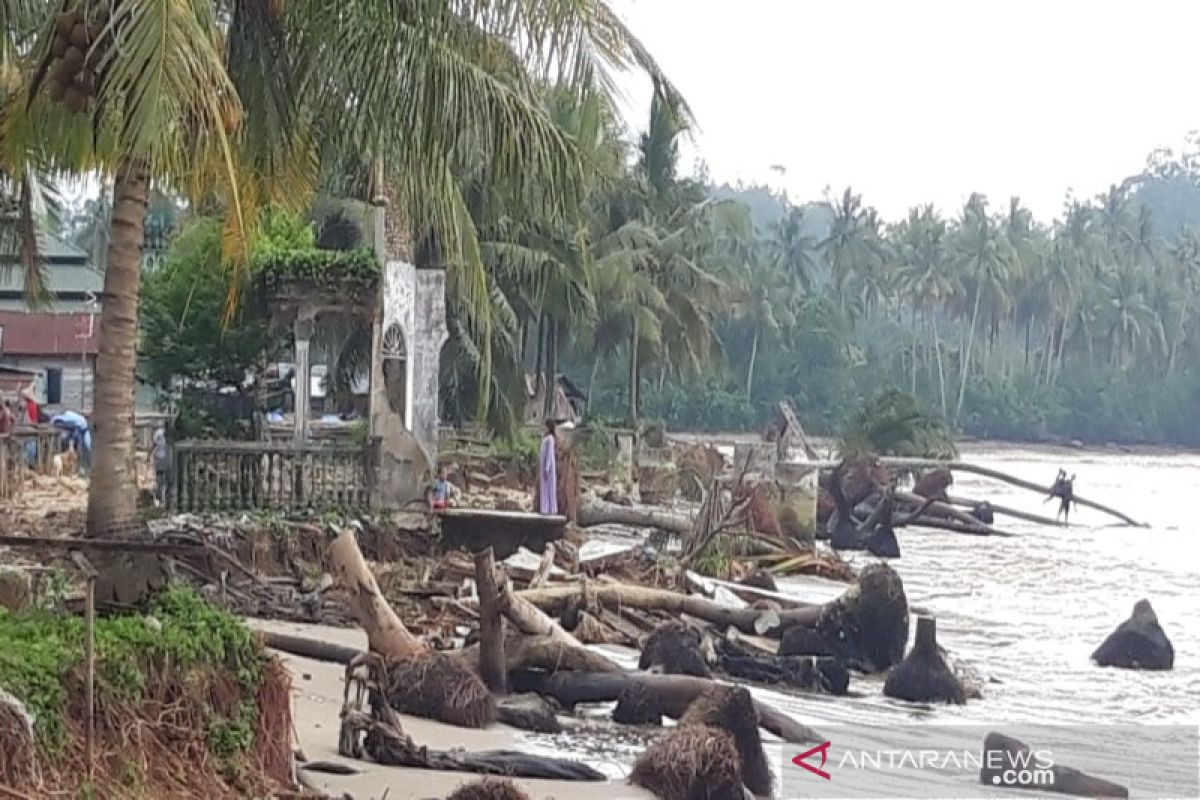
<point x="915" y="101"/>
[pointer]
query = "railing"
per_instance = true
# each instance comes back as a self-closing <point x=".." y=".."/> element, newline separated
<point x="36" y="445"/>
<point x="218" y="475"/>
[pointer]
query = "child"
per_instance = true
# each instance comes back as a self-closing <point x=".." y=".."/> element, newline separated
<point x="441" y="491"/>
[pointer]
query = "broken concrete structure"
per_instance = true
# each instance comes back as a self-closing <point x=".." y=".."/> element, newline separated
<point x="409" y="332"/>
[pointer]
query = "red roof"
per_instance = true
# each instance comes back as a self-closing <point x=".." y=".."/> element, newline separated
<point x="48" y="334"/>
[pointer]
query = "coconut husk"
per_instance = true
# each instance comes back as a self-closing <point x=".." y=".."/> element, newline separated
<point x="59" y="45"/>
<point x="674" y="648"/>
<point x="692" y="762"/>
<point x="731" y="708"/>
<point x="437" y="686"/>
<point x="489" y="789"/>
<point x="18" y="749"/>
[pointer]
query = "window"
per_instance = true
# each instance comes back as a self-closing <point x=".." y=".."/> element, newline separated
<point x="53" y="386"/>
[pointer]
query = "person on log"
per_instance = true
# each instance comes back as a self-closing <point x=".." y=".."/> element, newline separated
<point x="547" y="486"/>
<point x="1064" y="490"/>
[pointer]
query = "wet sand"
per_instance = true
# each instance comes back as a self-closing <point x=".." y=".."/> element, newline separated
<point x="317" y="700"/>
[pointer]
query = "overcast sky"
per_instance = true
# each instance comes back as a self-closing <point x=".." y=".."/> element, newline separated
<point x="912" y="101"/>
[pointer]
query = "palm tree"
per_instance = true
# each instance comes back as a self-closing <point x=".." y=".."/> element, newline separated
<point x="923" y="275"/>
<point x="765" y="291"/>
<point x="795" y="250"/>
<point x="680" y="228"/>
<point x="985" y="258"/>
<point x="241" y="98"/>
<point x="852" y="247"/>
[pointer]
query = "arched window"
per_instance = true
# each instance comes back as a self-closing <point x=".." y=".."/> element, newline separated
<point x="395" y="369"/>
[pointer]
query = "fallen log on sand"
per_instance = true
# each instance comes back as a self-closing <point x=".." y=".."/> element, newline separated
<point x="600" y="512"/>
<point x="867" y="626"/>
<point x="556" y="600"/>
<point x="447" y="687"/>
<point x="671" y="693"/>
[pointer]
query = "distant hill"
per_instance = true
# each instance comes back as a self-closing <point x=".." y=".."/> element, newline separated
<point x="767" y="207"/>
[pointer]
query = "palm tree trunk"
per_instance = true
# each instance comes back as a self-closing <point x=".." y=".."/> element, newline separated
<point x="112" y="496"/>
<point x="753" y="357"/>
<point x="551" y="378"/>
<point x="633" y="375"/>
<point x="592" y="385"/>
<point x="537" y="359"/>
<point x="966" y="366"/>
<point x="937" y="350"/>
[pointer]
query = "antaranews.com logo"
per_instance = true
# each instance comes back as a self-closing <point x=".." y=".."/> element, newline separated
<point x="1000" y="767"/>
<point x="1157" y="762"/>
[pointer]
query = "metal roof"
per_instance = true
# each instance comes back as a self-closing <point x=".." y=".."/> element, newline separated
<point x="66" y="267"/>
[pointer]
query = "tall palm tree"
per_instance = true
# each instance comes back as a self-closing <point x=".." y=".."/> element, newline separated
<point x="924" y="277"/>
<point x="851" y="247"/>
<point x="984" y="257"/>
<point x="244" y="99"/>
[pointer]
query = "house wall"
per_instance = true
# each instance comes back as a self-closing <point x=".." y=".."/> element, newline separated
<point x="78" y="379"/>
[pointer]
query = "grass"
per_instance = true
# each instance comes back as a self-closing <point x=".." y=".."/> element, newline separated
<point x="41" y="656"/>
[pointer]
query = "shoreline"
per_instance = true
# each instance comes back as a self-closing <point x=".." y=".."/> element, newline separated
<point x="316" y="704"/>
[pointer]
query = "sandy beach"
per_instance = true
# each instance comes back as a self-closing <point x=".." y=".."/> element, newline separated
<point x="317" y="699"/>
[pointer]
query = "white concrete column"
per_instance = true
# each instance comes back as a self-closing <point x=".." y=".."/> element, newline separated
<point x="303" y="332"/>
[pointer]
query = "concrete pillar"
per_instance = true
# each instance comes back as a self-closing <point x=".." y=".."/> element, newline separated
<point x="303" y="332"/>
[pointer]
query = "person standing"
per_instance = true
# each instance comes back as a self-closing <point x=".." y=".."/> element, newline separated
<point x="160" y="458"/>
<point x="8" y="420"/>
<point x="548" y="473"/>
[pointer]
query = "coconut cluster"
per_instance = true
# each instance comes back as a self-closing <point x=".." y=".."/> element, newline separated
<point x="77" y="54"/>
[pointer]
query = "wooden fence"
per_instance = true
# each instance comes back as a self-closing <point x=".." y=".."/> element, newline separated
<point x="219" y="475"/>
<point x="12" y="467"/>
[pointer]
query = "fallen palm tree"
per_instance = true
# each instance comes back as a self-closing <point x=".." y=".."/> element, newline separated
<point x="380" y="736"/>
<point x="994" y="474"/>
<point x="537" y="649"/>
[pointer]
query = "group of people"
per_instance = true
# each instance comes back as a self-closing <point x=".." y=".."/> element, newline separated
<point x="74" y="429"/>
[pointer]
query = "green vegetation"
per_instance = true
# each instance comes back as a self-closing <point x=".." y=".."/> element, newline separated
<point x="893" y="425"/>
<point x="338" y="271"/>
<point x="248" y="106"/>
<point x="41" y="657"/>
<point x="1087" y="327"/>
<point x="184" y="330"/>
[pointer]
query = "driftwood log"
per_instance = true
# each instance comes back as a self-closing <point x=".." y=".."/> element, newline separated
<point x="593" y="511"/>
<point x="923" y="676"/>
<point x="556" y="600"/>
<point x="491" y="624"/>
<point x="995" y="474"/>
<point x="379" y="736"/>
<point x="671" y="693"/>
<point x="386" y="633"/>
<point x="866" y="628"/>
